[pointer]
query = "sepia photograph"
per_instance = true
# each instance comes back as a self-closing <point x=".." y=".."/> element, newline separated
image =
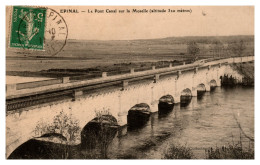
<point x="130" y="82"/>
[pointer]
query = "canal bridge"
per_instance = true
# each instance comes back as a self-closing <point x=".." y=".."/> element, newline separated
<point x="29" y="103"/>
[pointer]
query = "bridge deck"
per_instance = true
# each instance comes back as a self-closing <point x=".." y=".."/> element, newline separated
<point x="20" y="98"/>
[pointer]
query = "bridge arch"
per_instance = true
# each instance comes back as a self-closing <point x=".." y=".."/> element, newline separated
<point x="47" y="146"/>
<point x="166" y="104"/>
<point x="201" y="87"/>
<point x="138" y="115"/>
<point x="213" y="84"/>
<point x="186" y="92"/>
<point x="98" y="132"/>
<point x="167" y="98"/>
<point x="185" y="97"/>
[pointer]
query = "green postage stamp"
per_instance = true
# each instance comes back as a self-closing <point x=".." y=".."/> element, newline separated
<point x="28" y="27"/>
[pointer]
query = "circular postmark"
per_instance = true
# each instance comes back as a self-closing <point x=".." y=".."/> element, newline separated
<point x="56" y="32"/>
<point x="45" y="31"/>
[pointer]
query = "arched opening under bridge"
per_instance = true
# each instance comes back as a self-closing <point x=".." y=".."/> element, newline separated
<point x="201" y="89"/>
<point x="138" y="115"/>
<point x="48" y="146"/>
<point x="98" y="134"/>
<point x="186" y="97"/>
<point x="213" y="85"/>
<point x="166" y="104"/>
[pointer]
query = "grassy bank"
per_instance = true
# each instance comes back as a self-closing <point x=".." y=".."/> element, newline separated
<point x="230" y="151"/>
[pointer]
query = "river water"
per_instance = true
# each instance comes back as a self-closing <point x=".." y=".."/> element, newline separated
<point x="206" y="122"/>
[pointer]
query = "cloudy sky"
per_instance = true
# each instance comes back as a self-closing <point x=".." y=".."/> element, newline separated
<point x="203" y="21"/>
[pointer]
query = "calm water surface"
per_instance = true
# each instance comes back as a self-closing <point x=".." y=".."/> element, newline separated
<point x="206" y="122"/>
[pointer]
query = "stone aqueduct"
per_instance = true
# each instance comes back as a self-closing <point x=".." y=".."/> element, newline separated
<point x="21" y="123"/>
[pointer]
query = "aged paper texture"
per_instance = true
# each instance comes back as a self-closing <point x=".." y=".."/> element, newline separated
<point x="130" y="82"/>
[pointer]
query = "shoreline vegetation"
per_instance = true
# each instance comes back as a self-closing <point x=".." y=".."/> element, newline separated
<point x="241" y="149"/>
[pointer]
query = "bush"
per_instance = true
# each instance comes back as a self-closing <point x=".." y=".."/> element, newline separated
<point x="231" y="152"/>
<point x="178" y="152"/>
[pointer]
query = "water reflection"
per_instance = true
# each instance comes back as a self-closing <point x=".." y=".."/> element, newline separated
<point x="200" y="94"/>
<point x="138" y="116"/>
<point x="185" y="100"/>
<point x="164" y="109"/>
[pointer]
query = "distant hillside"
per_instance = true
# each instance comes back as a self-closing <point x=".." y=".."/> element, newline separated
<point x="170" y="45"/>
<point x="78" y="54"/>
<point x="183" y="40"/>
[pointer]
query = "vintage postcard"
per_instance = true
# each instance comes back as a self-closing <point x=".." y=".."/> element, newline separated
<point x="130" y="82"/>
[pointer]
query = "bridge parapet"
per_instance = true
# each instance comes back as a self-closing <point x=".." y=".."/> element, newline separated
<point x="23" y="89"/>
<point x="104" y="74"/>
<point x="65" y="79"/>
<point x="132" y="70"/>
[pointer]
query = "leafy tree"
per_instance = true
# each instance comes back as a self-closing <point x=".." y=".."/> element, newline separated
<point x="66" y="127"/>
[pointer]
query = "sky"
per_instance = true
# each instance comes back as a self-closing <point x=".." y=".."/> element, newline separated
<point x="202" y="21"/>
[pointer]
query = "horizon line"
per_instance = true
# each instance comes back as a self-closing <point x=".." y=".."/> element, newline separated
<point x="160" y="38"/>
